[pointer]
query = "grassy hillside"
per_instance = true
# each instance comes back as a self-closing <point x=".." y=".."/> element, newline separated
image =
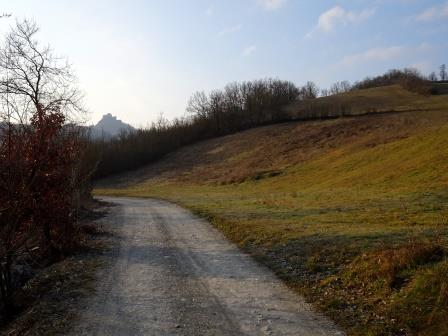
<point x="351" y="212"/>
<point x="381" y="99"/>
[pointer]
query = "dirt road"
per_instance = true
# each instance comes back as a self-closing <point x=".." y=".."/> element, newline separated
<point x="174" y="274"/>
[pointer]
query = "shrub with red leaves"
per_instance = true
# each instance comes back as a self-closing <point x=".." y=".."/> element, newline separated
<point x="40" y="155"/>
<point x="37" y="183"/>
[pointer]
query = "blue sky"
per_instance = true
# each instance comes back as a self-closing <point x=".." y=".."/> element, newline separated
<point x="137" y="59"/>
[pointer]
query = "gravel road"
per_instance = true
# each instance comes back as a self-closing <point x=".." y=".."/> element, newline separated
<point x="174" y="274"/>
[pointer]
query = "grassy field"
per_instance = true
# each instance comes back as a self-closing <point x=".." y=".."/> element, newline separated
<point x="350" y="212"/>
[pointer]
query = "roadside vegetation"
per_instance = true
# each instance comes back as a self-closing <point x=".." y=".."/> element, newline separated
<point x="351" y="212"/>
<point x="44" y="165"/>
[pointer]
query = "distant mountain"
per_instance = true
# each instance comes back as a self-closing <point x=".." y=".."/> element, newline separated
<point x="109" y="126"/>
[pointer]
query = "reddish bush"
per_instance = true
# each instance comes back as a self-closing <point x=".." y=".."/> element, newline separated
<point x="37" y="183"/>
<point x="40" y="174"/>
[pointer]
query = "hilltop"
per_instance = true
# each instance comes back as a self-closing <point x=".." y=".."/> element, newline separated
<point x="349" y="211"/>
<point x="109" y="126"/>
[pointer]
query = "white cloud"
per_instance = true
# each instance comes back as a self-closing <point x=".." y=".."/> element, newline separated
<point x="249" y="51"/>
<point x="230" y="30"/>
<point x="374" y="55"/>
<point x="433" y="13"/>
<point x="271" y="4"/>
<point x="356" y="17"/>
<point x="337" y="16"/>
<point x="330" y="18"/>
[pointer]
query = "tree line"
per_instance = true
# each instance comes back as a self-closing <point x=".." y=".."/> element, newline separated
<point x="408" y="78"/>
<point x="236" y="107"/>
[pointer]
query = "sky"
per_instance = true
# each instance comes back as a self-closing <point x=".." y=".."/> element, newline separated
<point x="139" y="59"/>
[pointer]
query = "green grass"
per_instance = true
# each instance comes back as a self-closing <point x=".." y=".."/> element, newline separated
<point x="359" y="228"/>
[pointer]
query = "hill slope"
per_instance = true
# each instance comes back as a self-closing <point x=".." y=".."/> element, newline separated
<point x="352" y="212"/>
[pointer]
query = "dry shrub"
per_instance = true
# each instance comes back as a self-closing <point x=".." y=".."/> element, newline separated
<point x="423" y="306"/>
<point x="416" y="84"/>
<point x="387" y="264"/>
<point x="407" y="285"/>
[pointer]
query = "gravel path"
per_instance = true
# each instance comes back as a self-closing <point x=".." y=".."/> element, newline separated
<point x="174" y="274"/>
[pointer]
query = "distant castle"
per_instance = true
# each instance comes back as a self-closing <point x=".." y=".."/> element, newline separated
<point x="109" y="126"/>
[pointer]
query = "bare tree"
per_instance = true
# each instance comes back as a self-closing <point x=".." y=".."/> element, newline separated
<point x="309" y="91"/>
<point x="443" y="74"/>
<point x="432" y="77"/>
<point x="32" y="78"/>
<point x="38" y="150"/>
<point x="324" y="93"/>
<point x="217" y="109"/>
<point x="340" y="87"/>
<point x="198" y="105"/>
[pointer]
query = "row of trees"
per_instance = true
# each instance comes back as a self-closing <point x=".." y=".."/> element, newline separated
<point x="336" y="88"/>
<point x="41" y="151"/>
<point x="248" y="104"/>
<point x="410" y="79"/>
<point x="236" y="107"/>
